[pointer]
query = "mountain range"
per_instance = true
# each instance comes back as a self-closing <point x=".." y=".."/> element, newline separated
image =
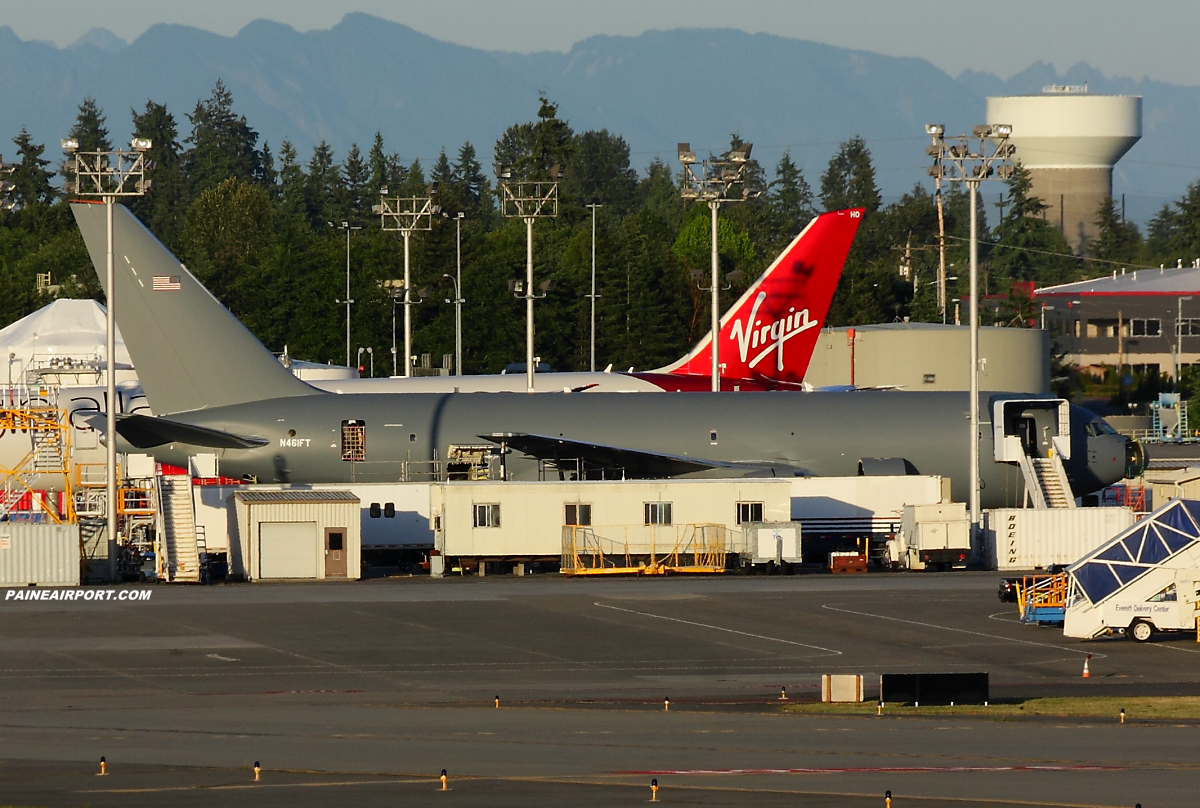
<point x="366" y="74"/>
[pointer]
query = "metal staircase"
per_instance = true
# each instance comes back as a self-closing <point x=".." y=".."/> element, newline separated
<point x="1046" y="483"/>
<point x="179" y="552"/>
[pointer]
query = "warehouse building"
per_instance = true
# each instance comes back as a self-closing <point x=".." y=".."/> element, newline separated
<point x="1148" y="319"/>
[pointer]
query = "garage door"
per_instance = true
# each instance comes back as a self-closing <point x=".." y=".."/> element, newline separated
<point x="287" y="550"/>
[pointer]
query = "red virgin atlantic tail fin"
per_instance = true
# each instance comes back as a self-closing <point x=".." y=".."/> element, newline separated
<point x="770" y="333"/>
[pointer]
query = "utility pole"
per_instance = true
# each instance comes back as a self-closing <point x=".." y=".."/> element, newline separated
<point x="592" y="296"/>
<point x="962" y="162"/>
<point x="406" y="214"/>
<point x="108" y="175"/>
<point x="529" y="200"/>
<point x="715" y="186"/>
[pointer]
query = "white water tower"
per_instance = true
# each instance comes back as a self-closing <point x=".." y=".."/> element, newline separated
<point x="1070" y="140"/>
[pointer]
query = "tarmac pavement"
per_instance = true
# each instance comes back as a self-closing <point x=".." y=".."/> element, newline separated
<point x="363" y="692"/>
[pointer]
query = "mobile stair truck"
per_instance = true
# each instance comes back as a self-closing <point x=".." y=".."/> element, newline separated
<point x="1144" y="580"/>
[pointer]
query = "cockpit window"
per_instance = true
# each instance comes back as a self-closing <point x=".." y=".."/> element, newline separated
<point x="1098" y="428"/>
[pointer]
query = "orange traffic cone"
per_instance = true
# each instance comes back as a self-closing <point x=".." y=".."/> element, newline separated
<point x="1086" y="674"/>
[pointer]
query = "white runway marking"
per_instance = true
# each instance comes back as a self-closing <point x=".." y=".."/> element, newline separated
<point x="966" y="631"/>
<point x="718" y="628"/>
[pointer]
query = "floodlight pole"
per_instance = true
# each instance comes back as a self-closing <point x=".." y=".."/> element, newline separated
<point x="407" y="215"/>
<point x="458" y="298"/>
<point x="714" y="186"/>
<point x="971" y="166"/>
<point x="528" y="200"/>
<point x="108" y="175"/>
<point x="715" y="207"/>
<point x="348" y="228"/>
<point x="592" y="296"/>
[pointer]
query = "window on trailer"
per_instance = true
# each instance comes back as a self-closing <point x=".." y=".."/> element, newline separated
<point x="658" y="513"/>
<point x="749" y="512"/>
<point x="487" y="514"/>
<point x="578" y="513"/>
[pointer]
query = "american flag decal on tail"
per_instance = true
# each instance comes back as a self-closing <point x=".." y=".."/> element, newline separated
<point x="165" y="283"/>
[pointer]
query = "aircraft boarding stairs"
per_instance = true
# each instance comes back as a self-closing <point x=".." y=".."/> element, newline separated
<point x="1035" y="434"/>
<point x="1147" y="574"/>
<point x="1046" y="483"/>
<point x="181" y="551"/>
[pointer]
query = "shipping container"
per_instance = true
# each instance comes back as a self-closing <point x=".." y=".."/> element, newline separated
<point x="1036" y="538"/>
<point x="36" y="553"/>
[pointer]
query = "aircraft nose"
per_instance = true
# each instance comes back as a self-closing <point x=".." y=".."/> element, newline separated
<point x="1135" y="459"/>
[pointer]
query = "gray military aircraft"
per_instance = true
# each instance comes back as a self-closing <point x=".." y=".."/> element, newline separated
<point x="216" y="388"/>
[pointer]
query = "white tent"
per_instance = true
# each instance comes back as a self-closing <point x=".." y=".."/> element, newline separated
<point x="64" y="340"/>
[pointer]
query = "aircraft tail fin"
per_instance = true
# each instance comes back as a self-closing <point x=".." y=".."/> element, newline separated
<point x="190" y="352"/>
<point x="770" y="333"/>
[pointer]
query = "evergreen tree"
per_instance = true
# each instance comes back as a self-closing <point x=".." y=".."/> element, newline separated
<point x="89" y="128"/>
<point x="1026" y="247"/>
<point x="849" y="181"/>
<point x="227" y="234"/>
<point x="791" y="196"/>
<point x="222" y="144"/>
<point x="1175" y="232"/>
<point x="599" y="172"/>
<point x="659" y="194"/>
<point x="473" y="184"/>
<point x="292" y="192"/>
<point x="530" y="150"/>
<point x="1118" y="241"/>
<point x="356" y="177"/>
<point x="30" y="179"/>
<point x="162" y="208"/>
<point x="377" y="165"/>
<point x="89" y="131"/>
<point x="270" y="177"/>
<point x="321" y="187"/>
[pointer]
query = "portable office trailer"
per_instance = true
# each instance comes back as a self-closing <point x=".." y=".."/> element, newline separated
<point x="41" y="554"/>
<point x="296" y="534"/>
<point x="1037" y="538"/>
<point x="524" y="521"/>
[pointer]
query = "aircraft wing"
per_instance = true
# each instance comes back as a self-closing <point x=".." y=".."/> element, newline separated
<point x="634" y="463"/>
<point x="145" y="432"/>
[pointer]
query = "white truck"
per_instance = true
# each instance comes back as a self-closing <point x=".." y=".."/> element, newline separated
<point x="1144" y="580"/>
<point x="932" y="536"/>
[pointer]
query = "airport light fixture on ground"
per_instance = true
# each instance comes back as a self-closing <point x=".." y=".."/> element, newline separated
<point x="528" y="200"/>
<point x="348" y="301"/>
<point x="458" y="298"/>
<point x="592" y="294"/>
<point x="406" y="214"/>
<point x="715" y="185"/>
<point x="109" y="174"/>
<point x="960" y="162"/>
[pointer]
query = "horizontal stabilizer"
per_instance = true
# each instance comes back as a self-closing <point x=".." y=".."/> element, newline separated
<point x="146" y="432"/>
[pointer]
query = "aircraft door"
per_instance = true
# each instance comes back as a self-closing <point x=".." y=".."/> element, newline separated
<point x="1027" y="431"/>
<point x="335" y="552"/>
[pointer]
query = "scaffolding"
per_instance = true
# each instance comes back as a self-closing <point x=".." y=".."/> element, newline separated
<point x="34" y="411"/>
<point x="644" y="549"/>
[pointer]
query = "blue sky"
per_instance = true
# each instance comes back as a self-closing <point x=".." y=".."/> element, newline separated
<point x="1146" y="38"/>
